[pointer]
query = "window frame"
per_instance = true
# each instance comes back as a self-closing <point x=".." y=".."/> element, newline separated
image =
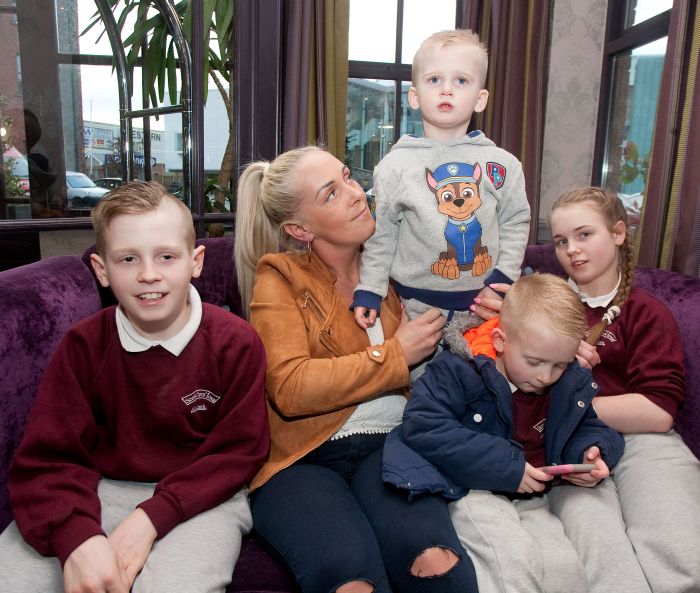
<point x="619" y="39"/>
<point x="254" y="60"/>
<point x="396" y="70"/>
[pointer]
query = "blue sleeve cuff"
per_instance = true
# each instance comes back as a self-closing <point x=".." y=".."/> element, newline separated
<point x="367" y="299"/>
<point x="498" y="277"/>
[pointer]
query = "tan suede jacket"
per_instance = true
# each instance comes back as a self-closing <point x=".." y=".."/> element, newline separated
<point x="320" y="363"/>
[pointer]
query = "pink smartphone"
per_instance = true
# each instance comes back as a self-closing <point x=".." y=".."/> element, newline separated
<point x="568" y="468"/>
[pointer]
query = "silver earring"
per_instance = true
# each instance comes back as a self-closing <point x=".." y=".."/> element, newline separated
<point x="308" y="246"/>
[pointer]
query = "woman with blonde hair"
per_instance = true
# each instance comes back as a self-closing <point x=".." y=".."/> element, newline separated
<point x="334" y="390"/>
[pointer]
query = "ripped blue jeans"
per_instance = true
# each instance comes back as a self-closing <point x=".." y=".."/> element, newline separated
<point x="331" y="520"/>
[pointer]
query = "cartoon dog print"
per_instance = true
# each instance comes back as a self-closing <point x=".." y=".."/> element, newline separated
<point x="456" y="189"/>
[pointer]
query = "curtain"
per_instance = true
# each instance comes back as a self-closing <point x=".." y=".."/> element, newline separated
<point x="517" y="33"/>
<point x="315" y="74"/>
<point x="670" y="237"/>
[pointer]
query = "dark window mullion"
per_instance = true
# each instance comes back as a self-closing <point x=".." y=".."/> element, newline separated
<point x="380" y="70"/>
<point x="399" y="31"/>
<point x="397" y="58"/>
<point x="641" y="34"/>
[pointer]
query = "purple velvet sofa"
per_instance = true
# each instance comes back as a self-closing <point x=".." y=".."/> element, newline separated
<point x="40" y="301"/>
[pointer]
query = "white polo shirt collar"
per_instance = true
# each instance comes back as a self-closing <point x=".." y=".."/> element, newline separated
<point x="132" y="341"/>
<point x="599" y="301"/>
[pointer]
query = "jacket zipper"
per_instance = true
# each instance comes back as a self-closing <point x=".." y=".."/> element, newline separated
<point x="324" y="320"/>
<point x="572" y="398"/>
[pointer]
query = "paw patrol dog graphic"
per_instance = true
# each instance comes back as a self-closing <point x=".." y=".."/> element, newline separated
<point x="456" y="189"/>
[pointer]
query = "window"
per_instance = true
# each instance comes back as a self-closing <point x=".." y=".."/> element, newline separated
<point x="70" y="94"/>
<point x="634" y="59"/>
<point x="383" y="38"/>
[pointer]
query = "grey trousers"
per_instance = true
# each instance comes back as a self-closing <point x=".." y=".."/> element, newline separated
<point x="197" y="556"/>
<point x="639" y="531"/>
<point x="516" y="546"/>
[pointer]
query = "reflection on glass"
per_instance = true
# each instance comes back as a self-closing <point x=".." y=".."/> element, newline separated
<point x="411" y="120"/>
<point x="635" y="90"/>
<point x="370" y="125"/>
<point x="373" y="30"/>
<point x="421" y="19"/>
<point x="642" y="10"/>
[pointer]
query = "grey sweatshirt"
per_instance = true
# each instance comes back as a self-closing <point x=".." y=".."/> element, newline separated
<point x="440" y="200"/>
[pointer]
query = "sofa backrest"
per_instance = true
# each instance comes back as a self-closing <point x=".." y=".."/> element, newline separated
<point x="39" y="302"/>
<point x="681" y="294"/>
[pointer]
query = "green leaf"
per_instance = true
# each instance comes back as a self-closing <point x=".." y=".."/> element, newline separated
<point x="172" y="74"/>
<point x="628" y="173"/>
<point x="633" y="152"/>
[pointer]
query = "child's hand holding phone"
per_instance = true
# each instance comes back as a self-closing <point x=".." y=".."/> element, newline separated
<point x="568" y="468"/>
<point x="586" y="474"/>
<point x="533" y="479"/>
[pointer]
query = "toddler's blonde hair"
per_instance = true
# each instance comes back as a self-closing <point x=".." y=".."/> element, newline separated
<point x="451" y="37"/>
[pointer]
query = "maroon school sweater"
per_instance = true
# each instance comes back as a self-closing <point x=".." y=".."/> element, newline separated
<point x="641" y="352"/>
<point x="196" y="424"/>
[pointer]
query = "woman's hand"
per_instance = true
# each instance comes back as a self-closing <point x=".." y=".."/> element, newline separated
<point x="487" y="303"/>
<point x="420" y="337"/>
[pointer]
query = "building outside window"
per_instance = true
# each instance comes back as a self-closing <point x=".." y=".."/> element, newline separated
<point x="634" y="53"/>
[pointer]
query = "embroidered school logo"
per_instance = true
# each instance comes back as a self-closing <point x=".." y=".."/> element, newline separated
<point x="201" y="395"/>
<point x="497" y="174"/>
<point x="609" y="336"/>
<point x="539" y="427"/>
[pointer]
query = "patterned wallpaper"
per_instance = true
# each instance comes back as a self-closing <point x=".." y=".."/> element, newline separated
<point x="578" y="33"/>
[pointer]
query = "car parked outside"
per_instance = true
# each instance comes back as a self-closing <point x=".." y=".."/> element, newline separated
<point x="18" y="167"/>
<point x="109" y="183"/>
<point x="82" y="191"/>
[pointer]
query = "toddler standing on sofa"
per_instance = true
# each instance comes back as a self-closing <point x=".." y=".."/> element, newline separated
<point x="148" y="423"/>
<point x="506" y="399"/>
<point x="452" y="214"/>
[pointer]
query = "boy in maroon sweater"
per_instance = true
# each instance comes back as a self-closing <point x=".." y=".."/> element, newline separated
<point x="148" y="423"/>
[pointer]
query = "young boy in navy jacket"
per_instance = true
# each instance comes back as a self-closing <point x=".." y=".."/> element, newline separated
<point x="507" y="399"/>
<point x="148" y="423"/>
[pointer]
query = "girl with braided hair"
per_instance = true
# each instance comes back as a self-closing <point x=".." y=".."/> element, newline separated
<point x="640" y="530"/>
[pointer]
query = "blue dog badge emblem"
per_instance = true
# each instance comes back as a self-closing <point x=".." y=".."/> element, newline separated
<point x="497" y="174"/>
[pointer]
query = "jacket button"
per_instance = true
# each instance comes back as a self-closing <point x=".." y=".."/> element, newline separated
<point x="580" y="404"/>
<point x="594" y="385"/>
<point x="376" y="353"/>
<point x="478" y="417"/>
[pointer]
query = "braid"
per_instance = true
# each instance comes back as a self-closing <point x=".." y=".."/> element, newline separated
<point x="613" y="211"/>
<point x="626" y="272"/>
